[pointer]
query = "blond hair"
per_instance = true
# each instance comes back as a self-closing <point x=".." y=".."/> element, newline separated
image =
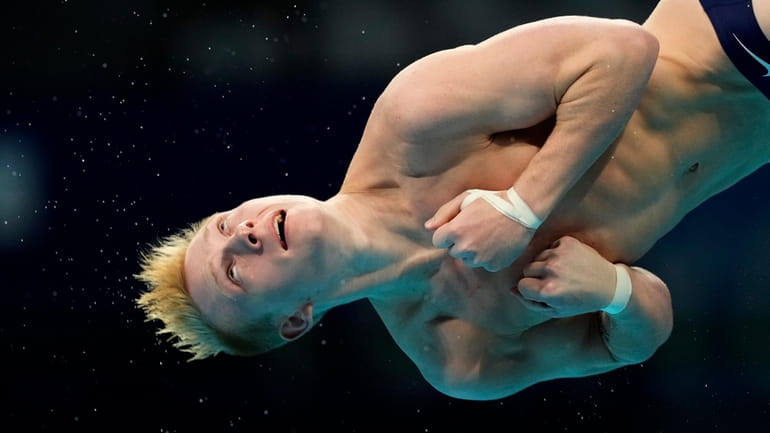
<point x="168" y="299"/>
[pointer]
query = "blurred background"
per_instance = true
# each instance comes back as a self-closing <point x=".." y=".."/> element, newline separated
<point x="122" y="121"/>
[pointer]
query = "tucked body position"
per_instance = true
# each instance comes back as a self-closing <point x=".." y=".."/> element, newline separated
<point x="497" y="197"/>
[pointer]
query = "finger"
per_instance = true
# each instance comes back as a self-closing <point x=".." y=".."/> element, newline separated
<point x="530" y="289"/>
<point x="540" y="307"/>
<point x="446" y="212"/>
<point x="443" y="238"/>
<point x="534" y="270"/>
<point x="543" y="255"/>
<point x="564" y="240"/>
<point x="467" y="256"/>
<point x="471" y="263"/>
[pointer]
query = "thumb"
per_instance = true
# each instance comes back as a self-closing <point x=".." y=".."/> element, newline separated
<point x="446" y="213"/>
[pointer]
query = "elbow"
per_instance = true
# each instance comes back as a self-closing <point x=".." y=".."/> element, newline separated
<point x="666" y="320"/>
<point x="662" y="311"/>
<point x="650" y="333"/>
<point x="659" y="330"/>
<point x="625" y="49"/>
<point x="646" y="47"/>
<point x="637" y="46"/>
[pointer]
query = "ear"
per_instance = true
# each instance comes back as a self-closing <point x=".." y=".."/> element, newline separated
<point x="298" y="323"/>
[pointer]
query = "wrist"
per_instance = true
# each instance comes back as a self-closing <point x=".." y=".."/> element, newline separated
<point x="539" y="197"/>
<point x="623" y="290"/>
<point x="515" y="208"/>
<point x="524" y="213"/>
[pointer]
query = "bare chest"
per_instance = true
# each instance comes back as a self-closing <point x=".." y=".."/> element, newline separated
<point x="475" y="298"/>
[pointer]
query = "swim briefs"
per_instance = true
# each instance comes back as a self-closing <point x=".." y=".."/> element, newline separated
<point x="742" y="39"/>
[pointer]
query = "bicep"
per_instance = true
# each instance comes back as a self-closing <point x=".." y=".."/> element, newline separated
<point x="513" y="80"/>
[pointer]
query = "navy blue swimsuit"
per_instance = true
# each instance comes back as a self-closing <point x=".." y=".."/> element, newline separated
<point x="742" y="39"/>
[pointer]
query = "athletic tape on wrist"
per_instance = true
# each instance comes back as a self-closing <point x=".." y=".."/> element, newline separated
<point x="516" y="210"/>
<point x="623" y="289"/>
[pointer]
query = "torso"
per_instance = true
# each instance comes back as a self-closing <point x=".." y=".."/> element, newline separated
<point x="685" y="143"/>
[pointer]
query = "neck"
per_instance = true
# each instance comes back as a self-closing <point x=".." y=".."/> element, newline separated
<point x="385" y="248"/>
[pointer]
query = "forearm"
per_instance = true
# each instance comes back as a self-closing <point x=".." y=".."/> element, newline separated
<point x="591" y="113"/>
<point x="634" y="334"/>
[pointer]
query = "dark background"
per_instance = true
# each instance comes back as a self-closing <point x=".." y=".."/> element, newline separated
<point x="122" y="121"/>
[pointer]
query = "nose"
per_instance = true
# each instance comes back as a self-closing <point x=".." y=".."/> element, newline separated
<point x="246" y="235"/>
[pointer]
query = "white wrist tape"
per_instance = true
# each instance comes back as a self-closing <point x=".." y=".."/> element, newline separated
<point x="623" y="291"/>
<point x="516" y="209"/>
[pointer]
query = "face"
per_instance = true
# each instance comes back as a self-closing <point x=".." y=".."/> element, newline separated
<point x="260" y="257"/>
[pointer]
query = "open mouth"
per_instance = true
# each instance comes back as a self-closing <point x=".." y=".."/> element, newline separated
<point x="278" y="224"/>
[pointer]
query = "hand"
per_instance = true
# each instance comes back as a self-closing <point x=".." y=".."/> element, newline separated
<point x="568" y="279"/>
<point x="479" y="235"/>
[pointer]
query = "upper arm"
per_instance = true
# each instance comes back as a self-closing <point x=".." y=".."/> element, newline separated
<point x="465" y="361"/>
<point x="513" y="80"/>
<point x="572" y="346"/>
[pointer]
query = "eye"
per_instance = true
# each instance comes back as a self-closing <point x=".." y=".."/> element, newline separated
<point x="232" y="274"/>
<point x="223" y="225"/>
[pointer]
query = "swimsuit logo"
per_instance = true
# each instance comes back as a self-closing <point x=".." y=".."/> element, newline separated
<point x="756" y="57"/>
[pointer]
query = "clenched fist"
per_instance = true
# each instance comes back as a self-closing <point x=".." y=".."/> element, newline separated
<point x="567" y="279"/>
<point x="479" y="234"/>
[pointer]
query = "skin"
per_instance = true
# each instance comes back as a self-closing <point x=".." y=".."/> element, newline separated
<point x="699" y="127"/>
<point x="240" y="253"/>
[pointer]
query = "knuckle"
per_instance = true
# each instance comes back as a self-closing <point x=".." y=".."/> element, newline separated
<point x="458" y="245"/>
<point x="550" y="287"/>
<point x="552" y="264"/>
<point x="560" y="244"/>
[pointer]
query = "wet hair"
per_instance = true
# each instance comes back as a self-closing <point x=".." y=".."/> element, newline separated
<point x="168" y="300"/>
